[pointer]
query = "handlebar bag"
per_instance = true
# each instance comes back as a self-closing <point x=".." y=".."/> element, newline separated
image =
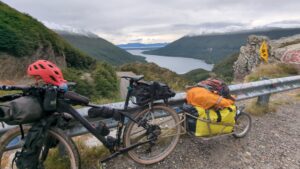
<point x="23" y="110"/>
<point x="147" y="92"/>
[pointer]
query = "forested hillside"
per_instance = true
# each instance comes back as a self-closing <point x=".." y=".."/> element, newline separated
<point x="222" y="70"/>
<point x="100" y="48"/>
<point x="23" y="39"/>
<point x="214" y="47"/>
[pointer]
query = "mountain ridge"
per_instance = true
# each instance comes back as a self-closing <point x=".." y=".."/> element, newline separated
<point x="142" y="45"/>
<point x="214" y="47"/>
<point x="100" y="48"/>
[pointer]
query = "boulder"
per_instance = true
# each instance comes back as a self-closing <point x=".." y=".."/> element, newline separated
<point x="286" y="50"/>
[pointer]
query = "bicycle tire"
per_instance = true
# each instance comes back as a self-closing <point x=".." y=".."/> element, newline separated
<point x="66" y="141"/>
<point x="245" y="131"/>
<point x="129" y="127"/>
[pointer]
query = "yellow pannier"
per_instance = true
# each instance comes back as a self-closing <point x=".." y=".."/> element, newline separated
<point x="211" y="122"/>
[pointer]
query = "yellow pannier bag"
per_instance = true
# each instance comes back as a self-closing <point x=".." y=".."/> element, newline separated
<point x="211" y="122"/>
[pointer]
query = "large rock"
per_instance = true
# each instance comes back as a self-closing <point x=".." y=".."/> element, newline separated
<point x="286" y="50"/>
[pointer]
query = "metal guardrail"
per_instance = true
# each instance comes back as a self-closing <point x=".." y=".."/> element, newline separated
<point x="242" y="91"/>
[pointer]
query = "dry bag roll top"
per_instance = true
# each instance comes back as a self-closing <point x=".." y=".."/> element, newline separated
<point x="23" y="110"/>
<point x="202" y="97"/>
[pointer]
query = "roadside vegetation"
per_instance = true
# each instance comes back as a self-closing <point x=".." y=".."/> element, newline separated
<point x="272" y="71"/>
<point x="91" y="155"/>
<point x="276" y="101"/>
<point x="100" y="84"/>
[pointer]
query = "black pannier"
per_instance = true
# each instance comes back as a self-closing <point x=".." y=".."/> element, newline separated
<point x="145" y="92"/>
<point x="22" y="110"/>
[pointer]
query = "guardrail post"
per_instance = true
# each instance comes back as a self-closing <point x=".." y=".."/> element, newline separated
<point x="264" y="99"/>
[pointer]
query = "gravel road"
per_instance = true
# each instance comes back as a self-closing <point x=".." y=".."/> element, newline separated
<point x="273" y="143"/>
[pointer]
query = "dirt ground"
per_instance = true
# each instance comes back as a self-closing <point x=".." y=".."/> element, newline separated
<point x="273" y="143"/>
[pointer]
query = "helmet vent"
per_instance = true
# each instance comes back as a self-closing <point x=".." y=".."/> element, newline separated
<point x="56" y="72"/>
<point x="53" y="78"/>
<point x="35" y="67"/>
<point x="50" y="65"/>
<point x="42" y="66"/>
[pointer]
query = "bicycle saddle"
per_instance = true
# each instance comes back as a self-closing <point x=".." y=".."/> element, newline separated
<point x="135" y="78"/>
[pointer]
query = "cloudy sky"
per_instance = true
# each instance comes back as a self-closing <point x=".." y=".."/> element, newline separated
<point x="152" y="21"/>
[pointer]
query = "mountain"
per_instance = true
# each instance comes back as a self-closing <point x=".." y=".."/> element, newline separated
<point x="99" y="48"/>
<point x="213" y="47"/>
<point x="23" y="39"/>
<point x="129" y="46"/>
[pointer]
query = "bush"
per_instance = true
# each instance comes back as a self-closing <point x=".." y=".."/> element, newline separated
<point x="99" y="83"/>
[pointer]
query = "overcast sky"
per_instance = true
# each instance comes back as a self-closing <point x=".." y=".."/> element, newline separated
<point x="152" y="21"/>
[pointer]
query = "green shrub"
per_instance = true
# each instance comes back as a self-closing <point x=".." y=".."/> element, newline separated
<point x="99" y="83"/>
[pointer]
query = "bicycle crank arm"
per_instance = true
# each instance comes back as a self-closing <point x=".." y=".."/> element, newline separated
<point x="124" y="150"/>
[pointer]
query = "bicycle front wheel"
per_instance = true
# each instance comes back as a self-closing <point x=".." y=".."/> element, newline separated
<point x="166" y="120"/>
<point x="62" y="156"/>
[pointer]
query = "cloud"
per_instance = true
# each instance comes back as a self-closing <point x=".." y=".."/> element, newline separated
<point x="158" y="20"/>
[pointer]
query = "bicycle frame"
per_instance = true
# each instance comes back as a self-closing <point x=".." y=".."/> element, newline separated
<point x="67" y="108"/>
<point x="64" y="107"/>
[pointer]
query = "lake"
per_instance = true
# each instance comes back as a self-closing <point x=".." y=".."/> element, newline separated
<point x="180" y="65"/>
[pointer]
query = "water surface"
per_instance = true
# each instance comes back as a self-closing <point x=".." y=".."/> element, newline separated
<point x="179" y="65"/>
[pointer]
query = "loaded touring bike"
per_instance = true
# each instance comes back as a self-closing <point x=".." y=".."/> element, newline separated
<point x="148" y="136"/>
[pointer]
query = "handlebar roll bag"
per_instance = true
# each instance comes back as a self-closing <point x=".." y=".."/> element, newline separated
<point x="76" y="98"/>
<point x="22" y="110"/>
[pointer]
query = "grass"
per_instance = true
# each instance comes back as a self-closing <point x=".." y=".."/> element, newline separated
<point x="272" y="71"/>
<point x="55" y="161"/>
<point x="90" y="156"/>
<point x="257" y="110"/>
<point x="2" y="93"/>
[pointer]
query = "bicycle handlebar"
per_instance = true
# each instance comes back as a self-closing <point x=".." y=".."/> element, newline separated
<point x="75" y="98"/>
<point x="18" y="87"/>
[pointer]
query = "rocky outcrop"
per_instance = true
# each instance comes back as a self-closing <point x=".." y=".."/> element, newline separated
<point x="286" y="50"/>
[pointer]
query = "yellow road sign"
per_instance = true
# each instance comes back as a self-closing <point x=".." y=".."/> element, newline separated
<point x="264" y="52"/>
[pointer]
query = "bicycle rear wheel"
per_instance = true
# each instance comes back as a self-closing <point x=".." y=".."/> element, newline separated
<point x="62" y="156"/>
<point x="166" y="120"/>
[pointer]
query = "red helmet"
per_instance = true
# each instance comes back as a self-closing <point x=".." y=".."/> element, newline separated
<point x="47" y="71"/>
